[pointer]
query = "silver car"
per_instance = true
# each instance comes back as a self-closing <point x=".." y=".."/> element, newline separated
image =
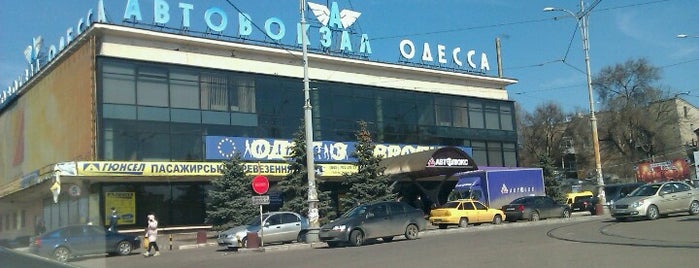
<point x="655" y="199"/>
<point x="278" y="227"/>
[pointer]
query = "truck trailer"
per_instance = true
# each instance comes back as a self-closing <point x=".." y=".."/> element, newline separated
<point x="498" y="186"/>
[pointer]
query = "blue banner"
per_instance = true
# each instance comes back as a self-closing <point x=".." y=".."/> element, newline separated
<point x="263" y="149"/>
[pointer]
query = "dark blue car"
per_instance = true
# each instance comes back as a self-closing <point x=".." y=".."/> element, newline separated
<point x="68" y="242"/>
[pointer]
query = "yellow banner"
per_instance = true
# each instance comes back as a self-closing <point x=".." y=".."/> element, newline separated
<point x="125" y="205"/>
<point x="149" y="169"/>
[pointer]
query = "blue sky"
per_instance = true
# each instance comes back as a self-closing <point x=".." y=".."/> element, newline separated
<point x="543" y="53"/>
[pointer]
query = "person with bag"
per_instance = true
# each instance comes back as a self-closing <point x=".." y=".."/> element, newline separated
<point x="151" y="236"/>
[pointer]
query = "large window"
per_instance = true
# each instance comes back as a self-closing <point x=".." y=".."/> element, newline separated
<point x="163" y="112"/>
<point x="118" y="83"/>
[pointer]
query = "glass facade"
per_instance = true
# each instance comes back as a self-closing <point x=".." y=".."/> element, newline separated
<point x="159" y="112"/>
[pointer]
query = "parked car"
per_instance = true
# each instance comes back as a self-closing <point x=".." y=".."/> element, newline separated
<point x="614" y="192"/>
<point x="656" y="199"/>
<point x="384" y="220"/>
<point x="585" y="203"/>
<point x="463" y="212"/>
<point x="533" y="208"/>
<point x="14" y="258"/>
<point x="574" y="197"/>
<point x="68" y="242"/>
<point x="278" y="227"/>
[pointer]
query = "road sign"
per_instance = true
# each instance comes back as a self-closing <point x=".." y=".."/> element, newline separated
<point x="260" y="200"/>
<point x="260" y="184"/>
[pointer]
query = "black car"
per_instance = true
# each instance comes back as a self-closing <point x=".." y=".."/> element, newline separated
<point x="585" y="203"/>
<point x="68" y="242"/>
<point x="374" y="220"/>
<point x="533" y="208"/>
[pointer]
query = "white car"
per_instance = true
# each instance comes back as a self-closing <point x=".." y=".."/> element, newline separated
<point x="657" y="199"/>
<point x="278" y="227"/>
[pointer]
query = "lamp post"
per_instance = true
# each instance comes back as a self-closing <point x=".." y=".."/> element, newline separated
<point x="314" y="224"/>
<point x="582" y="23"/>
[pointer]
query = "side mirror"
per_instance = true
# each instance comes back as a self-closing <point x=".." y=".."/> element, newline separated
<point x="267" y="224"/>
<point x="369" y="215"/>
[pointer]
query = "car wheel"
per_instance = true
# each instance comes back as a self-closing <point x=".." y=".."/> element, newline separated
<point x="411" y="232"/>
<point x="652" y="212"/>
<point x="442" y="226"/>
<point x="356" y="238"/>
<point x="387" y="238"/>
<point x="61" y="254"/>
<point x="244" y="242"/>
<point x="124" y="248"/>
<point x="497" y="219"/>
<point x="566" y="214"/>
<point x="534" y="216"/>
<point x="694" y="208"/>
<point x="463" y="222"/>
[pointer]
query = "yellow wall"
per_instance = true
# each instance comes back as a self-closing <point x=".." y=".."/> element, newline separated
<point x="52" y="121"/>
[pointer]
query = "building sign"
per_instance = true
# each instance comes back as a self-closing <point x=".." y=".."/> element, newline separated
<point x="128" y="169"/>
<point x="333" y="34"/>
<point x="261" y="149"/>
<point x="125" y="205"/>
<point x="671" y="170"/>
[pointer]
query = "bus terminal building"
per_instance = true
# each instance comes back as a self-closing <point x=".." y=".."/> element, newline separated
<point x="140" y="118"/>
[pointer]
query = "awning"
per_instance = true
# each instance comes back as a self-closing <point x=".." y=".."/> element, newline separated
<point x="443" y="161"/>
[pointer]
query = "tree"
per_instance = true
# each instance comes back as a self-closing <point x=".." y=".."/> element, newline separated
<point x="229" y="203"/>
<point x="369" y="183"/>
<point x="629" y="128"/>
<point x="294" y="186"/>
<point x="552" y="184"/>
<point x="542" y="134"/>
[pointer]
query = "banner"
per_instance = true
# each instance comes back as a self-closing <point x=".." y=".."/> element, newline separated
<point x="149" y="169"/>
<point x="125" y="205"/>
<point x="261" y="149"/>
<point x="671" y="170"/>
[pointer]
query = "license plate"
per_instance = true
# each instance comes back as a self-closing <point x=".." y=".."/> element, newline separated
<point x="510" y="209"/>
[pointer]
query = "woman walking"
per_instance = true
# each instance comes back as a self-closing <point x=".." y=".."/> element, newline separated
<point x="152" y="235"/>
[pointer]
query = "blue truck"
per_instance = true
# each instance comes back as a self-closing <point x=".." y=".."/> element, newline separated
<point x="498" y="186"/>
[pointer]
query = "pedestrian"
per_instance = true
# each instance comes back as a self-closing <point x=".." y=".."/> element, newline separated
<point x="152" y="235"/>
<point x="113" y="220"/>
<point x="40" y="227"/>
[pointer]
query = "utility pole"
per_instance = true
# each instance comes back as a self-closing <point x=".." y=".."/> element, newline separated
<point x="312" y="235"/>
<point x="583" y="24"/>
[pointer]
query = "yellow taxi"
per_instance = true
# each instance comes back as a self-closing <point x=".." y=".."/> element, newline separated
<point x="463" y="212"/>
<point x="574" y="197"/>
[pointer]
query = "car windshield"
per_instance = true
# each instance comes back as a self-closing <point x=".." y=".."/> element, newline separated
<point x="358" y="210"/>
<point x="255" y="220"/>
<point x="646" y="190"/>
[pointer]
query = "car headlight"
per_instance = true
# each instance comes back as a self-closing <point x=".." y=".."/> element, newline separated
<point x="340" y="228"/>
<point x="637" y="204"/>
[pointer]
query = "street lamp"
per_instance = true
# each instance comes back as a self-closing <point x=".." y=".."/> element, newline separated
<point x="313" y="216"/>
<point x="582" y="23"/>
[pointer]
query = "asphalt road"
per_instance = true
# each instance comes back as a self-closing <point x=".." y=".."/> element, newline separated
<point x="586" y="241"/>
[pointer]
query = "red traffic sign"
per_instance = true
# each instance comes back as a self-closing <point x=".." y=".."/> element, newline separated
<point x="260" y="184"/>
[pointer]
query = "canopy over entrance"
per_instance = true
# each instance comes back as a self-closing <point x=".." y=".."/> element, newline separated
<point x="443" y="161"/>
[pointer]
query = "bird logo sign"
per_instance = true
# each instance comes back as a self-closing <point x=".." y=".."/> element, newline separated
<point x="332" y="16"/>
